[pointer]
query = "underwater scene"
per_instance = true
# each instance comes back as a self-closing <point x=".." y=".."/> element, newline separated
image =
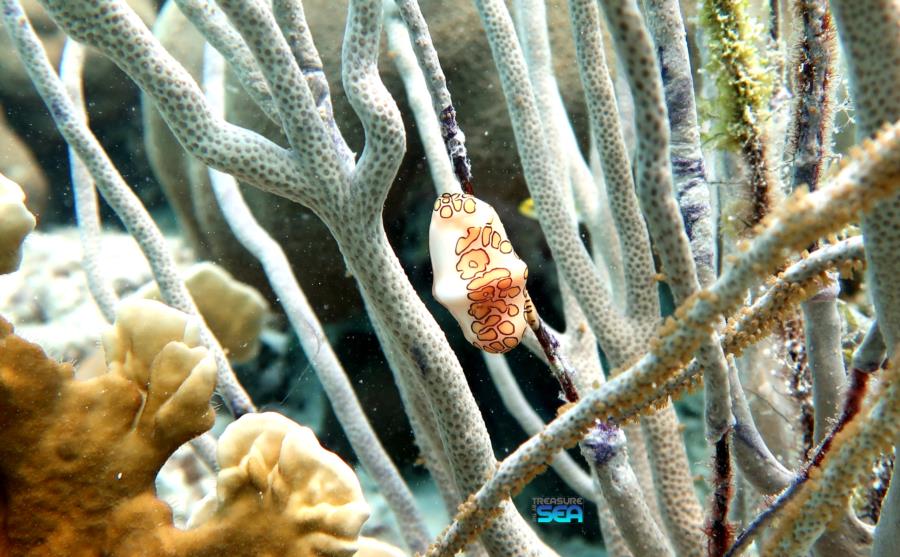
<point x="396" y="278"/>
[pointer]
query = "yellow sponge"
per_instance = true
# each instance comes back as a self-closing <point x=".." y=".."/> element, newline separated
<point x="15" y="223"/>
<point x="277" y="482"/>
<point x="234" y="311"/>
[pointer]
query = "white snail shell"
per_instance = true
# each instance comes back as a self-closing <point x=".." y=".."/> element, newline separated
<point x="477" y="275"/>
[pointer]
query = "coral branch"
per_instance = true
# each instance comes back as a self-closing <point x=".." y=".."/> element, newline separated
<point x="544" y="183"/>
<point x="312" y="338"/>
<point x="116" y="192"/>
<point x="209" y="19"/>
<point x="804" y="218"/>
<point x="641" y="296"/>
<point x="719" y="531"/>
<point x="86" y="209"/>
<point x="454" y="138"/>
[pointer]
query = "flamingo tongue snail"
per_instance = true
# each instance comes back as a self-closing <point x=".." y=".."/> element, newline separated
<point x="477" y="275"/>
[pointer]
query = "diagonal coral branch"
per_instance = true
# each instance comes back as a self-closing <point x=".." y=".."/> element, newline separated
<point x="213" y="23"/>
<point x="454" y="138"/>
<point x="86" y="208"/>
<point x="300" y="118"/>
<point x="291" y="20"/>
<point x="419" y="98"/>
<point x="239" y="152"/>
<point x="515" y="402"/>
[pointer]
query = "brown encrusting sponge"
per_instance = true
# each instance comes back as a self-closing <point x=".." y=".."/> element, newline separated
<point x="78" y="459"/>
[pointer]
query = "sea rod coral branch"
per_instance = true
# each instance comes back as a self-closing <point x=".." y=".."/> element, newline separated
<point x="309" y="331"/>
<point x="299" y="116"/>
<point x="419" y="99"/>
<point x="869" y="33"/>
<point x="665" y="23"/>
<point x="545" y="184"/>
<point x="454" y="138"/>
<point x="213" y="23"/>
<point x="291" y="20"/>
<point x="637" y="259"/>
<point x="86" y="208"/>
<point x="657" y="196"/>
<point x="870" y="174"/>
<point x="856" y="392"/>
<point x="116" y="192"/>
<point x="213" y="141"/>
<point x="744" y="89"/>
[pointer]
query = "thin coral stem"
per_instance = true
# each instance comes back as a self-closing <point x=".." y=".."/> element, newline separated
<point x="753" y="457"/>
<point x="419" y="99"/>
<point x="291" y="20"/>
<point x="299" y="115"/>
<point x="811" y="121"/>
<point x="454" y="138"/>
<point x="870" y="355"/>
<point x="213" y="24"/>
<point x="744" y="90"/>
<point x="826" y="361"/>
<point x="719" y="531"/>
<point x="86" y="207"/>
<point x="605" y="449"/>
<point x="176" y="95"/>
<point x="799" y="281"/>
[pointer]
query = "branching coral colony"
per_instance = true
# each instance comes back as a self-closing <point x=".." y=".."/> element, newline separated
<point x="750" y="232"/>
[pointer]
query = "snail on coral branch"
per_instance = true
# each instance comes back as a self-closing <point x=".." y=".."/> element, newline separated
<point x="477" y="275"/>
